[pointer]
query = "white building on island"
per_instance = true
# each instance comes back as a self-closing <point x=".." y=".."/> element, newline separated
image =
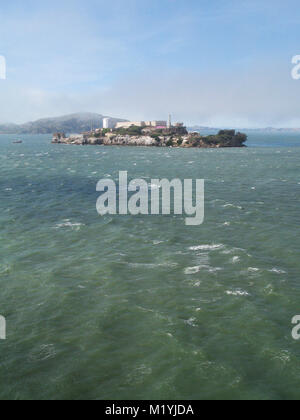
<point x="154" y="123"/>
<point x="108" y="123"/>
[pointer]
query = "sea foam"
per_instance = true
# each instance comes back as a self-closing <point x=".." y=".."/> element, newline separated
<point x="206" y="247"/>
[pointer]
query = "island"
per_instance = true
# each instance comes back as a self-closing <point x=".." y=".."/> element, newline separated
<point x="151" y="134"/>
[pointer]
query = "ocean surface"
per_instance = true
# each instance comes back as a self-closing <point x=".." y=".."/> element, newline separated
<point x="145" y="307"/>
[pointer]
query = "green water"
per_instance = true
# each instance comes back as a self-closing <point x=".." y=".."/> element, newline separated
<point x="123" y="307"/>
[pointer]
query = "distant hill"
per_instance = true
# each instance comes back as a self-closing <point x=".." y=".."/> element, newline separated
<point x="72" y="124"/>
<point x="81" y="122"/>
<point x="258" y="130"/>
<point x="202" y="128"/>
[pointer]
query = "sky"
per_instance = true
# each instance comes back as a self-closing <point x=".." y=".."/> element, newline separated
<point x="218" y="63"/>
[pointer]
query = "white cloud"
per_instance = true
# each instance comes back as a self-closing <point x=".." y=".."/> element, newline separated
<point x="62" y="58"/>
<point x="259" y="96"/>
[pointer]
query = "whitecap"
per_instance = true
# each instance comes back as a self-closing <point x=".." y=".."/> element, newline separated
<point x="214" y="269"/>
<point x="233" y="206"/>
<point x="68" y="224"/>
<point x="4" y="268"/>
<point x="253" y="269"/>
<point x="191" y="322"/>
<point x="277" y="271"/>
<point x="206" y="247"/>
<point x="195" y="270"/>
<point x="233" y="250"/>
<point x="237" y="293"/>
<point x="198" y="283"/>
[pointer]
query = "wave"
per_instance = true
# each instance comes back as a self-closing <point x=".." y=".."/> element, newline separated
<point x="191" y="322"/>
<point x="253" y="270"/>
<point x="277" y="271"/>
<point x="68" y="224"/>
<point x="152" y="265"/>
<point x="233" y="206"/>
<point x="5" y="268"/>
<point x="198" y="268"/>
<point x="42" y="353"/>
<point x="206" y="247"/>
<point x="237" y="293"/>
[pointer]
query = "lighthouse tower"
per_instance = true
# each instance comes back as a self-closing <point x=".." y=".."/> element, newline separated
<point x="170" y="121"/>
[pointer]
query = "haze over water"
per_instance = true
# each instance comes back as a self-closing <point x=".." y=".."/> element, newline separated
<point x="124" y="307"/>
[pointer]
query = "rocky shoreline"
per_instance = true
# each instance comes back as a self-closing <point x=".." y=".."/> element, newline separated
<point x="225" y="138"/>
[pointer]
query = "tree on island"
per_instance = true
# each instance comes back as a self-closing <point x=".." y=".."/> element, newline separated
<point x="225" y="138"/>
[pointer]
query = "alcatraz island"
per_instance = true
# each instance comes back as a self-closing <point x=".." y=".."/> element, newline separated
<point x="151" y="133"/>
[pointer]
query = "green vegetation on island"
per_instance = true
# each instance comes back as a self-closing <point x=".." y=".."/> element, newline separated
<point x="177" y="136"/>
<point x="225" y="138"/>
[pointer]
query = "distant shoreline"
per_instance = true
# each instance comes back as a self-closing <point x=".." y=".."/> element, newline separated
<point x="82" y="122"/>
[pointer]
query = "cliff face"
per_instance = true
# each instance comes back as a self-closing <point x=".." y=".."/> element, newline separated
<point x="223" y="139"/>
<point x="109" y="140"/>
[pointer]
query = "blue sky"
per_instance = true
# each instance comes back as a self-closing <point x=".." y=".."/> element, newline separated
<point x="216" y="62"/>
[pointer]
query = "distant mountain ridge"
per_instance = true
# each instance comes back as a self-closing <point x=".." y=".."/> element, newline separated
<point x="72" y="124"/>
<point x="81" y="122"/>
<point x="260" y="130"/>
